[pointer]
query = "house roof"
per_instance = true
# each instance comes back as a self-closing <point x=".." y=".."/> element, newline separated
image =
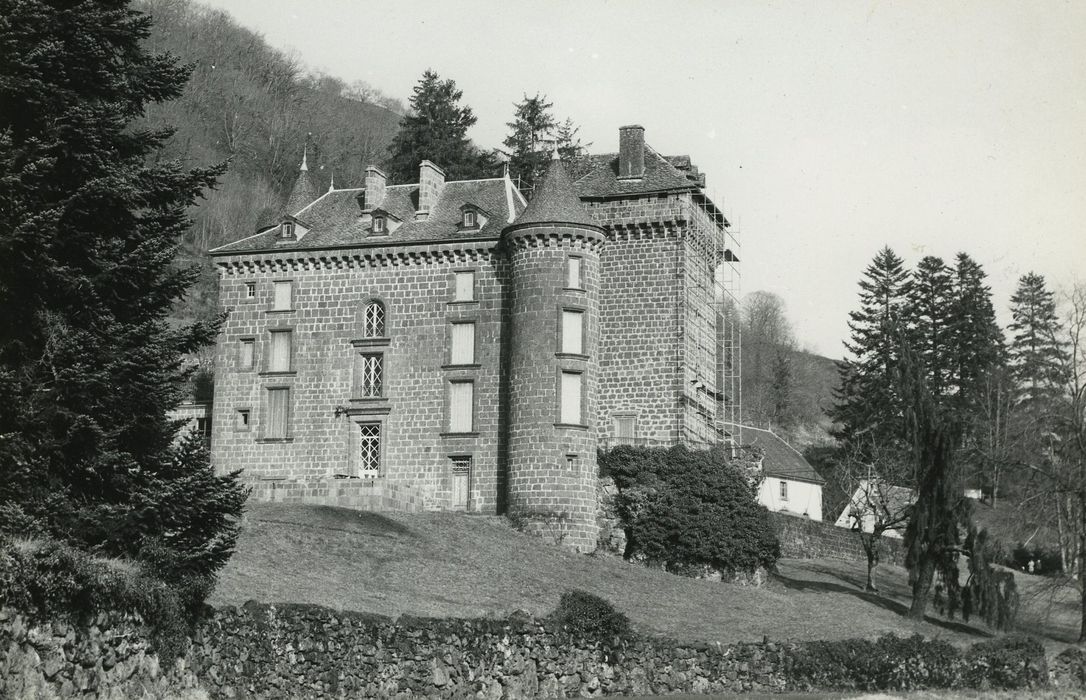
<point x="304" y="190"/>
<point x="335" y="218"/>
<point x="779" y="459"/>
<point x="894" y="499"/>
<point x="554" y="201"/>
<point x="601" y="178"/>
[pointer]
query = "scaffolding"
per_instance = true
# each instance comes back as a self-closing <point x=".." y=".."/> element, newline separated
<point x="710" y="325"/>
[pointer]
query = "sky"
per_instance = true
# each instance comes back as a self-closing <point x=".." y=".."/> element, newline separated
<point x="827" y="129"/>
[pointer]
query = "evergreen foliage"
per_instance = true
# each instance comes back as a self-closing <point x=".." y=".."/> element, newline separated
<point x="583" y="615"/>
<point x="89" y="365"/>
<point x="930" y="321"/>
<point x="686" y="510"/>
<point x="436" y="130"/>
<point x="978" y="351"/>
<point x="1037" y="354"/>
<point x="532" y="127"/>
<point x="989" y="593"/>
<point x="869" y="407"/>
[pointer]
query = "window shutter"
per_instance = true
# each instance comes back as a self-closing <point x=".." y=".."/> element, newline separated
<point x="572" y="332"/>
<point x="460" y="407"/>
<point x="624" y="427"/>
<point x="283" y="296"/>
<point x="465" y="286"/>
<point x="247" y="356"/>
<point x="463" y="343"/>
<point x="574" y="277"/>
<point x="571" y="398"/>
<point x="280" y="352"/>
<point x="278" y="406"/>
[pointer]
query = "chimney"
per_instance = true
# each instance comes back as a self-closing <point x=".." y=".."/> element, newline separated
<point x="431" y="180"/>
<point x="375" y="186"/>
<point x="631" y="152"/>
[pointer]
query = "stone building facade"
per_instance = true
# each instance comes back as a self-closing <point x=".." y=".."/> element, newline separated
<point x="448" y="345"/>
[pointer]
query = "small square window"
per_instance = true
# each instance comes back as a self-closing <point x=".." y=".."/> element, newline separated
<point x="247" y="353"/>
<point x="379" y="224"/>
<point x="250" y="290"/>
<point x="244" y="418"/>
<point x="572" y="462"/>
<point x="573" y="273"/>
<point x="465" y="286"/>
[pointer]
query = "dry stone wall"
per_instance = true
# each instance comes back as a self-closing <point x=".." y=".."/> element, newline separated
<point x="803" y="538"/>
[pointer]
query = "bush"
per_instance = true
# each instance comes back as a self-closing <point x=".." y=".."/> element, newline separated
<point x="890" y="663"/>
<point x="49" y="579"/>
<point x="1012" y="662"/>
<point x="895" y="663"/>
<point x="686" y="510"/>
<point x="586" y="616"/>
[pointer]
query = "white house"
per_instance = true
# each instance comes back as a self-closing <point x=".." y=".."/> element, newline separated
<point x="791" y="484"/>
<point x="890" y="503"/>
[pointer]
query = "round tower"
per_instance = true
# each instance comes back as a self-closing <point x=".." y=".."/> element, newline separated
<point x="554" y="250"/>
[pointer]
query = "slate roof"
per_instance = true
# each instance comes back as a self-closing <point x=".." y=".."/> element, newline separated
<point x="896" y="498"/>
<point x="780" y="459"/>
<point x="335" y="219"/>
<point x="601" y="178"/>
<point x="555" y="202"/>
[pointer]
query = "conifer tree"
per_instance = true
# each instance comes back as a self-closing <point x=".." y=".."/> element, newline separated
<point x="930" y="320"/>
<point x="869" y="407"/>
<point x="436" y="130"/>
<point x="569" y="144"/>
<point x="1037" y="354"/>
<point x="531" y="134"/>
<point x="978" y="351"/>
<point x="89" y="365"/>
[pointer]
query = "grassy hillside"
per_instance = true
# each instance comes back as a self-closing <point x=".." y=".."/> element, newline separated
<point x="438" y="564"/>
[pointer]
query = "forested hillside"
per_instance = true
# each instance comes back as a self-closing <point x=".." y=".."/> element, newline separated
<point x="256" y="107"/>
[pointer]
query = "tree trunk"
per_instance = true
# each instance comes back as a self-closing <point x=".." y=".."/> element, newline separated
<point x="922" y="588"/>
<point x="871" y="548"/>
<point x="1082" y="563"/>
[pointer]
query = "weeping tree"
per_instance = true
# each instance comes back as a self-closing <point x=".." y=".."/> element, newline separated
<point x="933" y="536"/>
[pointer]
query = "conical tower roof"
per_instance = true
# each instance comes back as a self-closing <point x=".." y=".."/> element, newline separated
<point x="304" y="192"/>
<point x="554" y="201"/>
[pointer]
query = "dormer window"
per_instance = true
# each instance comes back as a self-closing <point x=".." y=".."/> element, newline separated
<point x="379" y="224"/>
<point x="287" y="230"/>
<point x="470" y="218"/>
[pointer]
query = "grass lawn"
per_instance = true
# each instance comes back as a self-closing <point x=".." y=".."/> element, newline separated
<point x="452" y="565"/>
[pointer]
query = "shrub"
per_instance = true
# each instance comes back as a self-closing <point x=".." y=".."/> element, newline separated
<point x="49" y="579"/>
<point x="586" y="616"/>
<point x="890" y="663"/>
<point x="685" y="510"/>
<point x="1012" y="662"/>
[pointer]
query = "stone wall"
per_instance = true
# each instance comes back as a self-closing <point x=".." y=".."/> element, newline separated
<point x="110" y="657"/>
<point x="803" y="538"/>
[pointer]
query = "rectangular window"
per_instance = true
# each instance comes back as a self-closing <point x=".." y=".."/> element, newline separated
<point x="278" y="413"/>
<point x="247" y="353"/>
<point x="465" y="286"/>
<point x="461" y="406"/>
<point x="244" y="419"/>
<point x="573" y="332"/>
<point x="461" y="482"/>
<point x="372" y="375"/>
<point x="625" y="427"/>
<point x="279" y="361"/>
<point x="784" y="490"/>
<point x="369" y="450"/>
<point x="573" y="273"/>
<point x="463" y="344"/>
<point x="283" y="296"/>
<point x="250" y="290"/>
<point x="571" y="398"/>
<point x="572" y="462"/>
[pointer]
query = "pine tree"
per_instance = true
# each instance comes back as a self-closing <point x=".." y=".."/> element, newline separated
<point x="436" y="130"/>
<point x="1037" y="355"/>
<point x="569" y="145"/>
<point x="531" y="135"/>
<point x="930" y="319"/>
<point x="978" y="350"/>
<point x="92" y="222"/>
<point x="869" y="408"/>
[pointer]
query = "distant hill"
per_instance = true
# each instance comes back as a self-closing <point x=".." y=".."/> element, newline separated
<point x="255" y="106"/>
